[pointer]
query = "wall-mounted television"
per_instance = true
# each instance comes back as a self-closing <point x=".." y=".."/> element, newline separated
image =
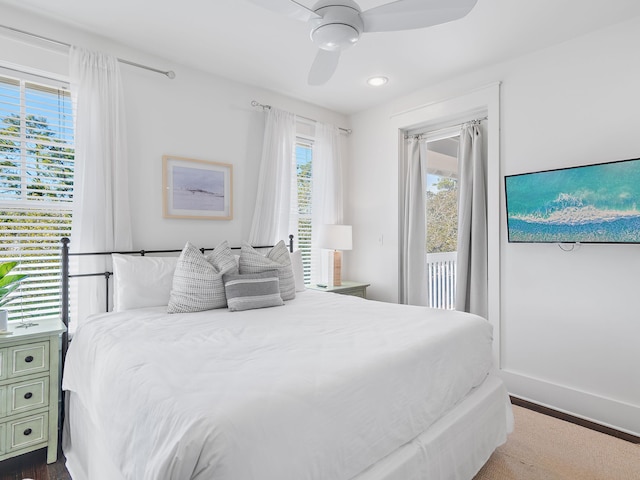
<point x="587" y="204"/>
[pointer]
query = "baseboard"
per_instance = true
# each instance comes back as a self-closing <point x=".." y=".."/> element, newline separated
<point x="606" y="413"/>
<point x="575" y="420"/>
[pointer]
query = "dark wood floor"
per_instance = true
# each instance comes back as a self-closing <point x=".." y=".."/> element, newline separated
<point x="34" y="465"/>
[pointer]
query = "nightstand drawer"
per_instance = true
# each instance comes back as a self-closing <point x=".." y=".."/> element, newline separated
<point x="28" y="431"/>
<point x="28" y="359"/>
<point x="28" y="395"/>
<point x="3" y="402"/>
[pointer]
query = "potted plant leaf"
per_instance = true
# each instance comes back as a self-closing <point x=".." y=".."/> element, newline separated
<point x="8" y="283"/>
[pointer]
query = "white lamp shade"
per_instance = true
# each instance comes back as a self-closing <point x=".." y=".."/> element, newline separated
<point x="336" y="237"/>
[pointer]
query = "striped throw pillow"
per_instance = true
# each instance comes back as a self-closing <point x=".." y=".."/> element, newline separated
<point x="197" y="281"/>
<point x="278" y="258"/>
<point x="252" y="290"/>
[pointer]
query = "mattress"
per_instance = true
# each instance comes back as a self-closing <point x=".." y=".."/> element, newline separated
<point x="327" y="386"/>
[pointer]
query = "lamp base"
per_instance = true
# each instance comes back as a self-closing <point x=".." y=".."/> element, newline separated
<point x="337" y="268"/>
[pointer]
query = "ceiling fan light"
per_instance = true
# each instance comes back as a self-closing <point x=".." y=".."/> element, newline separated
<point x="377" y="81"/>
<point x="334" y="36"/>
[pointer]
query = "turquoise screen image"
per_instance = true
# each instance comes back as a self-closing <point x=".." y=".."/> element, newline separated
<point x="587" y="204"/>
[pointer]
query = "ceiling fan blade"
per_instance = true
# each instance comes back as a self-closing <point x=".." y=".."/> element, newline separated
<point x="409" y="14"/>
<point x="324" y="66"/>
<point x="290" y="8"/>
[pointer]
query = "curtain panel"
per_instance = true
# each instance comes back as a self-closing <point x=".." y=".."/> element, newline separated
<point x="101" y="216"/>
<point x="327" y="196"/>
<point x="276" y="197"/>
<point x="327" y="176"/>
<point x="413" y="256"/>
<point x="472" y="262"/>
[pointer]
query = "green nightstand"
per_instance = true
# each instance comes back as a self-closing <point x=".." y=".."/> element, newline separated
<point x="29" y="389"/>
<point x="355" y="289"/>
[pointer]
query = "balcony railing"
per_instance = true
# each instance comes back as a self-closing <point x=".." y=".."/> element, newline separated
<point x="442" y="280"/>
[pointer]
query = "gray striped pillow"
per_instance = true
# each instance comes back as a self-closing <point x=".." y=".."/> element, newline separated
<point x="278" y="258"/>
<point x="197" y="281"/>
<point x="252" y="290"/>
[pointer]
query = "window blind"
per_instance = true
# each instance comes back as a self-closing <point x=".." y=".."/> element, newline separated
<point x="36" y="188"/>
<point x="304" y="157"/>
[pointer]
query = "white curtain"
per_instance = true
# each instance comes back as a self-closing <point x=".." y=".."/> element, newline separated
<point x="415" y="287"/>
<point x="101" y="217"/>
<point x="327" y="195"/>
<point x="276" y="182"/>
<point x="472" y="281"/>
<point x="327" y="206"/>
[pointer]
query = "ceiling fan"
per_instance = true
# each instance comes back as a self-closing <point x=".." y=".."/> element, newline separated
<point x="337" y="24"/>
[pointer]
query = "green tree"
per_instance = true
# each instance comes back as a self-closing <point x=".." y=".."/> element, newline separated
<point x="49" y="159"/>
<point x="442" y="217"/>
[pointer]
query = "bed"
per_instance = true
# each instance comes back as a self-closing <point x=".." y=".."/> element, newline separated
<point x="321" y="386"/>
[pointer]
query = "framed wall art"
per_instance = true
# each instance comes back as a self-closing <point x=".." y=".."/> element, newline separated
<point x="197" y="189"/>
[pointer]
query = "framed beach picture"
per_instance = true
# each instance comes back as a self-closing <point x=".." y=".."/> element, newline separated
<point x="197" y="189"/>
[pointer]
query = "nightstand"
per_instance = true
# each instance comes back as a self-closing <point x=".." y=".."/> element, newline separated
<point x="355" y="289"/>
<point x="29" y="389"/>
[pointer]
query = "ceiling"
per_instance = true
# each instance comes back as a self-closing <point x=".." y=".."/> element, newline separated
<point x="244" y="42"/>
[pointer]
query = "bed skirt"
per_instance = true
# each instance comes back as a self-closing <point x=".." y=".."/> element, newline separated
<point x="454" y="448"/>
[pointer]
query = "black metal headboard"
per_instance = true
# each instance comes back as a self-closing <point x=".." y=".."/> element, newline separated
<point x="66" y="275"/>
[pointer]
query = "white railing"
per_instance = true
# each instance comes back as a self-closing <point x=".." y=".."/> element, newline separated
<point x="442" y="279"/>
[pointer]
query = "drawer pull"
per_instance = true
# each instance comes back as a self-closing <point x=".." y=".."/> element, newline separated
<point x="29" y="359"/>
<point x="27" y="432"/>
<point x="28" y="395"/>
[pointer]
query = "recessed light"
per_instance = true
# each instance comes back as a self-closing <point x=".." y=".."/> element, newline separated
<point x="377" y="81"/>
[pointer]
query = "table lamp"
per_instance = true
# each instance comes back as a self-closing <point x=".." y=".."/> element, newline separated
<point x="336" y="238"/>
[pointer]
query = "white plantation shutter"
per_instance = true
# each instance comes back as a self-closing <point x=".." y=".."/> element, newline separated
<point x="304" y="157"/>
<point x="36" y="188"/>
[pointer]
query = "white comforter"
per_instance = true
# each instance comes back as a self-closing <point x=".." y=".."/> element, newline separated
<point x="320" y="388"/>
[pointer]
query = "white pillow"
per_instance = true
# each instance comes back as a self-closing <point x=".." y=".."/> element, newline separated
<point x="197" y="281"/>
<point x="141" y="281"/>
<point x="298" y="270"/>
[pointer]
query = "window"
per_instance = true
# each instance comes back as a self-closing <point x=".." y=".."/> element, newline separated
<point x="442" y="221"/>
<point x="36" y="187"/>
<point x="304" y="156"/>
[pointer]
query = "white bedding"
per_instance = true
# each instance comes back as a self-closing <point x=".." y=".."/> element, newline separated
<point x="321" y="388"/>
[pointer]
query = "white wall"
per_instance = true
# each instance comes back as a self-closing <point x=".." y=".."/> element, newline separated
<point x="196" y="115"/>
<point x="569" y="321"/>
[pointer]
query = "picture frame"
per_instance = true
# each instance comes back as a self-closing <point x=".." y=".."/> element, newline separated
<point x="197" y="189"/>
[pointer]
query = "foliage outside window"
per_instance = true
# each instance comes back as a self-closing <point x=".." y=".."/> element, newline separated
<point x="36" y="187"/>
<point x="442" y="214"/>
